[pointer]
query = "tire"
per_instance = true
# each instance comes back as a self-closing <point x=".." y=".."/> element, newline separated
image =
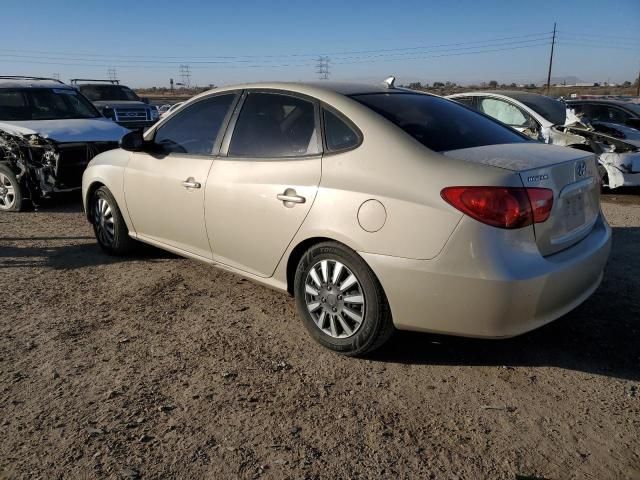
<point x="604" y="178"/>
<point x="109" y="227"/>
<point x="10" y="191"/>
<point x="333" y="323"/>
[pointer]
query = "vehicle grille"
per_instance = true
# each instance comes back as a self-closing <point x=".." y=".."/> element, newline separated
<point x="125" y="115"/>
<point x="74" y="158"/>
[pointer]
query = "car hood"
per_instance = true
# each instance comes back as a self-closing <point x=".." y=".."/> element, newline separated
<point x="72" y="130"/>
<point x="119" y="103"/>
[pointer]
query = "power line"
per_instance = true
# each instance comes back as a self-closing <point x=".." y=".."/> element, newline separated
<point x="226" y="62"/>
<point x="232" y="66"/>
<point x="582" y="34"/>
<point x="470" y="44"/>
<point x="593" y="45"/>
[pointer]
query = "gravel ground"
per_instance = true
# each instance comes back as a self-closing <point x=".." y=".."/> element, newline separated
<point x="160" y="367"/>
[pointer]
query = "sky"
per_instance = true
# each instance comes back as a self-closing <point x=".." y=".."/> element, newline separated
<point x="229" y="42"/>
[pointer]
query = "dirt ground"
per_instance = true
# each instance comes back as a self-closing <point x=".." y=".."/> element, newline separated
<point x="160" y="367"/>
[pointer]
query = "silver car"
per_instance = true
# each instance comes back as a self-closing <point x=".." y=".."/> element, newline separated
<point x="377" y="208"/>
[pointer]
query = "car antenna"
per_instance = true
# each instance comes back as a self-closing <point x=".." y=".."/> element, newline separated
<point x="389" y="81"/>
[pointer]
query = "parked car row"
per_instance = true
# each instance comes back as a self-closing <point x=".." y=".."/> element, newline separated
<point x="49" y="131"/>
<point x="374" y="206"/>
<point x="605" y="127"/>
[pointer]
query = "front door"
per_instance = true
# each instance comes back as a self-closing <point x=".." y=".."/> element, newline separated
<point x="165" y="186"/>
<point x="260" y="193"/>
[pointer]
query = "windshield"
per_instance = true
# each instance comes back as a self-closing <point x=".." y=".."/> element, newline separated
<point x="553" y="110"/>
<point x="98" y="93"/>
<point x="44" y="104"/>
<point x="438" y="123"/>
<point x="634" y="107"/>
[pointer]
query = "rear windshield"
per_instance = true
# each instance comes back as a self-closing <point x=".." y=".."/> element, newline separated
<point x="438" y="123"/>
<point x="98" y="93"/>
<point x="553" y="110"/>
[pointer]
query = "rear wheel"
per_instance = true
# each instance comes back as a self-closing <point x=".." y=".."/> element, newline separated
<point x="340" y="300"/>
<point x="108" y="225"/>
<point x="604" y="177"/>
<point x="10" y="191"/>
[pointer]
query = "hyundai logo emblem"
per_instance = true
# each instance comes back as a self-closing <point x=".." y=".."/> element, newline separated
<point x="581" y="168"/>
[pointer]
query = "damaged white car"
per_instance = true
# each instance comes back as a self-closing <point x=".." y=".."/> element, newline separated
<point x="548" y="120"/>
<point x="48" y="134"/>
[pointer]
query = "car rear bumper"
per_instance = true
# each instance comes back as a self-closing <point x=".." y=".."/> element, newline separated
<point x="491" y="287"/>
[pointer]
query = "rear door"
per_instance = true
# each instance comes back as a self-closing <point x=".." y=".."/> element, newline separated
<point x="576" y="204"/>
<point x="165" y="187"/>
<point x="260" y="192"/>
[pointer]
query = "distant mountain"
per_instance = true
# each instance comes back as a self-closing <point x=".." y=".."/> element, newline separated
<point x="568" y="80"/>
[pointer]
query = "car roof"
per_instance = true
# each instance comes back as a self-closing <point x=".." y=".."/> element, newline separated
<point x="610" y="101"/>
<point x="515" y="94"/>
<point x="31" y="82"/>
<point x="312" y="88"/>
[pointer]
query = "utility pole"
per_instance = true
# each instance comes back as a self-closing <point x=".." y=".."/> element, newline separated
<point x="553" y="43"/>
<point x="322" y="68"/>
<point x="638" y="89"/>
<point x="185" y="75"/>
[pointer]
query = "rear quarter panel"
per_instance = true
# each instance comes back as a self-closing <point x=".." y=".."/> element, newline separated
<point x="393" y="168"/>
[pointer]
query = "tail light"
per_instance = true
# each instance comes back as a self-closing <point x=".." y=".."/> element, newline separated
<point x="503" y="207"/>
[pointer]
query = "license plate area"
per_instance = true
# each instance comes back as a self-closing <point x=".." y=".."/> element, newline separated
<point x="574" y="211"/>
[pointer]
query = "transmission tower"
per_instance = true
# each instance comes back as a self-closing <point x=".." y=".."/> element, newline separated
<point x="322" y="68"/>
<point x="185" y="75"/>
<point x="56" y="76"/>
<point x="112" y="74"/>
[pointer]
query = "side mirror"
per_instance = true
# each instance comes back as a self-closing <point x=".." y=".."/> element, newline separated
<point x="132" y="141"/>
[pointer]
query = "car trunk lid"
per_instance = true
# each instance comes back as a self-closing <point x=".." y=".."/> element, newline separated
<point x="572" y="176"/>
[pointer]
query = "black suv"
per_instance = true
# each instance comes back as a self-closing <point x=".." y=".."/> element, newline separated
<point x="605" y="110"/>
<point x="117" y="102"/>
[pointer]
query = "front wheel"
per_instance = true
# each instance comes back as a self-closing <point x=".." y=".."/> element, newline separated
<point x="108" y="225"/>
<point x="10" y="191"/>
<point x="340" y="300"/>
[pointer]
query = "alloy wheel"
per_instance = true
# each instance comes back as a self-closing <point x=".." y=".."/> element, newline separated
<point x="334" y="298"/>
<point x="7" y="192"/>
<point x="103" y="221"/>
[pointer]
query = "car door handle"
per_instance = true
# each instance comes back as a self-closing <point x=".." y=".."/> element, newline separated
<point x="290" y="196"/>
<point x="191" y="183"/>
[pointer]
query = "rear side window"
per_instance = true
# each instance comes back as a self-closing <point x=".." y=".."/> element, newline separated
<point x="438" y="123"/>
<point x="468" y="101"/>
<point x="338" y="135"/>
<point x="275" y="125"/>
<point x="194" y="130"/>
<point x="503" y="111"/>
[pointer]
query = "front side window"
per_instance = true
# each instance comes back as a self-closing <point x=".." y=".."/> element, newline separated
<point x="438" y="123"/>
<point x="504" y="112"/>
<point x="275" y="125"/>
<point x="338" y="135"/>
<point x="194" y="130"/>
<point x="468" y="101"/>
<point x="605" y="113"/>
